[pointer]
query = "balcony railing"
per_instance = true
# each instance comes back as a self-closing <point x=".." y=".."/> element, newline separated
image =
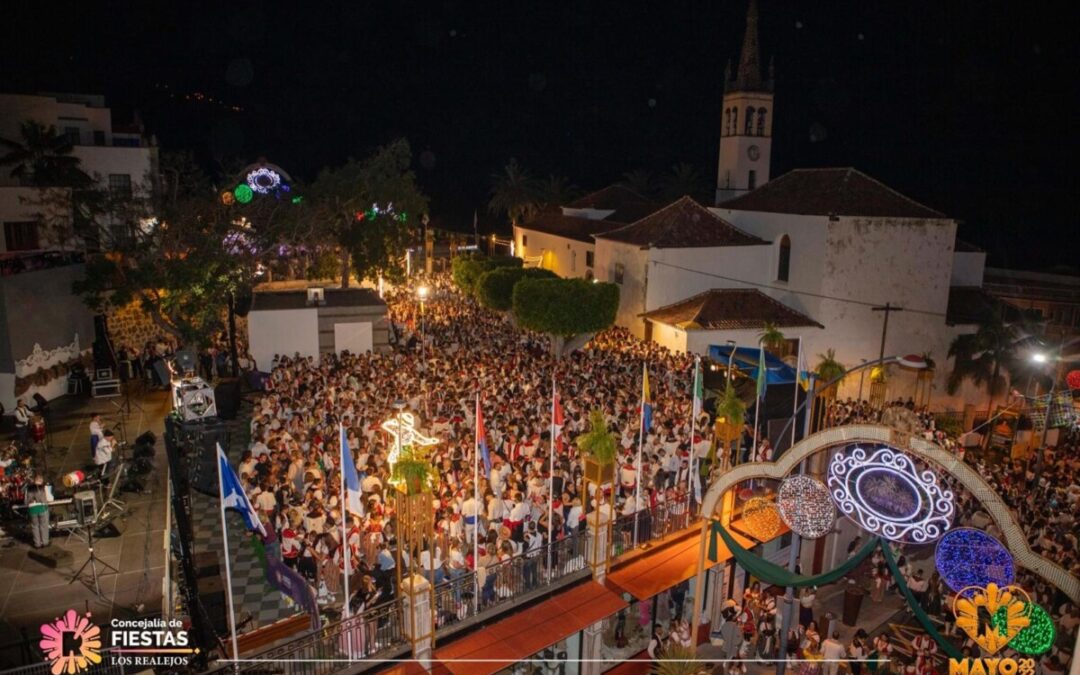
<point x="651" y="524"/>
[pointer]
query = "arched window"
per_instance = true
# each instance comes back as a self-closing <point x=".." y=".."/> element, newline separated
<point x="734" y="120"/>
<point x="761" y="121"/>
<point x="749" y="120"/>
<point x="783" y="267"/>
<point x="727" y="121"/>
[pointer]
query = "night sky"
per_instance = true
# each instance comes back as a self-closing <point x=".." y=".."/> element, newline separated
<point x="961" y="105"/>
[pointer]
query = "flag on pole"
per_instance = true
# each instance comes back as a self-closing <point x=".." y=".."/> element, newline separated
<point x="233" y="496"/>
<point x="557" y="423"/>
<point x="762" y="374"/>
<point x="699" y="388"/>
<point x="481" y="438"/>
<point x="803" y="373"/>
<point x="353" y="503"/>
<point x="646" y="399"/>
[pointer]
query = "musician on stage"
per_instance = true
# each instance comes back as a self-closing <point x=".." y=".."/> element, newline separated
<point x="97" y="432"/>
<point x="103" y="454"/>
<point x="22" y="423"/>
<point x="38" y="508"/>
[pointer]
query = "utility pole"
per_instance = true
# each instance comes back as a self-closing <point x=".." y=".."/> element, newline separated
<point x="887" y="308"/>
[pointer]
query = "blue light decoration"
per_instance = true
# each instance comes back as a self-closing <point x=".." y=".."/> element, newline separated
<point x="885" y="493"/>
<point x="967" y="557"/>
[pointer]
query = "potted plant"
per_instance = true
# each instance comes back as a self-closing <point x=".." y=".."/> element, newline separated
<point x="829" y="369"/>
<point x="773" y="340"/>
<point x="730" y="417"/>
<point x="413" y="473"/>
<point x="599" y="448"/>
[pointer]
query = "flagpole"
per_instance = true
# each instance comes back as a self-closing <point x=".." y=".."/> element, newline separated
<point x="228" y="565"/>
<point x="638" y="470"/>
<point x="551" y="482"/>
<point x="344" y="514"/>
<point x="762" y="372"/>
<point x="693" y="429"/>
<point x="798" y="383"/>
<point x="476" y="508"/>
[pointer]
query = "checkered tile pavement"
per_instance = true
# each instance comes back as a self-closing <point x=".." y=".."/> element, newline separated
<point x="252" y="595"/>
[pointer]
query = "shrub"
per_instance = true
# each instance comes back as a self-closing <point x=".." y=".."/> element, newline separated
<point x="495" y="288"/>
<point x="564" y="307"/>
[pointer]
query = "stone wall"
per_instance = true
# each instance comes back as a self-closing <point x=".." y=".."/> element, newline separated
<point x="131" y="326"/>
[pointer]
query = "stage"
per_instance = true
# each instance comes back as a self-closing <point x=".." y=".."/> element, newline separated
<point x="31" y="592"/>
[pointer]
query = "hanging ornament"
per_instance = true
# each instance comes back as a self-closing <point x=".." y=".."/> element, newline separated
<point x="1039" y="635"/>
<point x="263" y="180"/>
<point x="243" y="193"/>
<point x="760" y="518"/>
<point x="1073" y="379"/>
<point x="967" y="557"/>
<point x="227" y="198"/>
<point x="1011" y="601"/>
<point x="806" y="507"/>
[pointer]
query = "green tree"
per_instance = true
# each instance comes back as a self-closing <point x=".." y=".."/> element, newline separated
<point x="495" y="288"/>
<point x="684" y="179"/>
<point x="514" y="192"/>
<point x="772" y="339"/>
<point x="466" y="270"/>
<point x="556" y="191"/>
<point x="569" y="311"/>
<point x="598" y="442"/>
<point x="640" y="181"/>
<point x="350" y="207"/>
<point x="42" y="158"/>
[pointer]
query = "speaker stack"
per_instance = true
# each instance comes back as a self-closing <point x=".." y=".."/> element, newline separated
<point x="200" y="439"/>
<point x="212" y="594"/>
<point x="227" y="396"/>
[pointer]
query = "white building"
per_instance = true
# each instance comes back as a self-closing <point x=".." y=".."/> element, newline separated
<point x="118" y="157"/>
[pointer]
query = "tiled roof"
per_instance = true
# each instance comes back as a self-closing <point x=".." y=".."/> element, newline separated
<point x="627" y="204"/>
<point x="730" y="309"/>
<point x="682" y="224"/>
<point x="552" y="221"/>
<point x="972" y="304"/>
<point x="830" y="192"/>
<point x="334" y="297"/>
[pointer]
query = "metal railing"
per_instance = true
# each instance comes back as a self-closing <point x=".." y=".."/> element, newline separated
<point x="653" y="523"/>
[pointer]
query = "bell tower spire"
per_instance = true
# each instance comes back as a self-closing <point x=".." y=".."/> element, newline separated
<point x="745" y="119"/>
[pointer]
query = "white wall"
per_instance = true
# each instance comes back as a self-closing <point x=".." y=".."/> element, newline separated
<point x="967" y="268"/>
<point x="355" y="337"/>
<point x="669" y="336"/>
<point x="283" y="331"/>
<point x="671" y="281"/>
<point x="563" y="256"/>
<point x="632" y="290"/>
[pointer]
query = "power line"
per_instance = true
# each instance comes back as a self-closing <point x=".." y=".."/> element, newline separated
<point x="822" y="296"/>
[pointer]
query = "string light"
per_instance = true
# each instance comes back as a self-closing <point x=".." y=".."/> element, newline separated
<point x="760" y="518"/>
<point x="968" y="557"/>
<point x="264" y="180"/>
<point x="805" y="506"/>
<point x="886" y="494"/>
<point x="1039" y="635"/>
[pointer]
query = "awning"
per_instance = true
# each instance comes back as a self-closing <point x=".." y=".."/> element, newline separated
<point x="525" y="633"/>
<point x="746" y="359"/>
<point x="668" y="565"/>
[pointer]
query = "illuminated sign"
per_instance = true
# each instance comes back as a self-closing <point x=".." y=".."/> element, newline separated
<point x="402" y="428"/>
<point x="806" y="507"/>
<point x="967" y="557"/>
<point x="886" y="494"/>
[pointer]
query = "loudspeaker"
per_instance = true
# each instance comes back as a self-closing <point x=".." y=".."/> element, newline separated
<point x="227" y="397"/>
<point x="41" y="403"/>
<point x="85" y="503"/>
<point x="109" y="530"/>
<point x="207" y="565"/>
<point x="53" y="557"/>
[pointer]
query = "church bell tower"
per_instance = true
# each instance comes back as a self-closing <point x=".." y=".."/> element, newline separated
<point x="745" y="120"/>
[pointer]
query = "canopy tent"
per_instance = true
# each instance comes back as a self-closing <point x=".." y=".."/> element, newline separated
<point x="746" y="360"/>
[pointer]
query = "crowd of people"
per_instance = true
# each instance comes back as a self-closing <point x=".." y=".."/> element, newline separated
<point x="440" y="364"/>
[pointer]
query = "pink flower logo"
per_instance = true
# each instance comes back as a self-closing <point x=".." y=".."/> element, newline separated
<point x="83" y="647"/>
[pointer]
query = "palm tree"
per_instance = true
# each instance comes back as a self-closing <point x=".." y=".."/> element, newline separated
<point x="981" y="356"/>
<point x="42" y="158"/>
<point x="556" y="191"/>
<point x="640" y="181"/>
<point x="772" y="339"/>
<point x="513" y="192"/>
<point x="679" y="660"/>
<point x="684" y="179"/>
<point x="828" y="369"/>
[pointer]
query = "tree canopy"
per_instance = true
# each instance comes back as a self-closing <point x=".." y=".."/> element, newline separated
<point x="41" y="157"/>
<point x="466" y="270"/>
<point x="495" y="288"/>
<point x="514" y="192"/>
<point x="567" y="310"/>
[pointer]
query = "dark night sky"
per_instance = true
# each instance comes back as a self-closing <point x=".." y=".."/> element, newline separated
<point x="963" y="105"/>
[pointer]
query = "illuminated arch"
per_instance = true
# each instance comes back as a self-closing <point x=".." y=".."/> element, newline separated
<point x="1012" y="533"/>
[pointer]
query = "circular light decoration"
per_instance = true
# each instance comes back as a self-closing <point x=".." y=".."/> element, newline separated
<point x="227" y="198"/>
<point x="968" y="557"/>
<point x="243" y="193"/>
<point x="1039" y="635"/>
<point x="1073" y="379"/>
<point x="805" y="505"/>
<point x="760" y="518"/>
<point x="263" y="180"/>
<point x="886" y="494"/>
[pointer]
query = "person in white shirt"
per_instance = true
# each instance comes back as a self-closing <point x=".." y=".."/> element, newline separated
<point x="103" y="454"/>
<point x="96" y="433"/>
<point x="469" y="512"/>
<point x="832" y="651"/>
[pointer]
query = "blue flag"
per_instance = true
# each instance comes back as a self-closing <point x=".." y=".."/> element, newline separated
<point x="646" y="400"/>
<point x="353" y="503"/>
<point x="233" y="495"/>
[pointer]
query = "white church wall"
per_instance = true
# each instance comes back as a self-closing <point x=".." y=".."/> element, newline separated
<point x="669" y="336"/>
<point x="967" y="268"/>
<point x="563" y="256"/>
<point x="678" y="273"/>
<point x="283" y="331"/>
<point x="609" y="256"/>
